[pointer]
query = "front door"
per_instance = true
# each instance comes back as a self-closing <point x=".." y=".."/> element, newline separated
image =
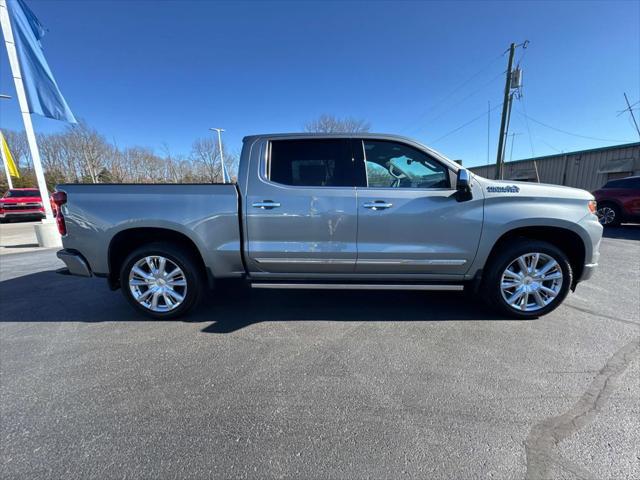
<point x="409" y="219"/>
<point x="301" y="212"/>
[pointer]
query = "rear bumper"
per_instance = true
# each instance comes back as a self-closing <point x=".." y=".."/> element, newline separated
<point x="75" y="262"/>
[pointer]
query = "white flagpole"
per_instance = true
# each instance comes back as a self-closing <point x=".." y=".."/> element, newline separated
<point x="5" y="162"/>
<point x="7" y="32"/>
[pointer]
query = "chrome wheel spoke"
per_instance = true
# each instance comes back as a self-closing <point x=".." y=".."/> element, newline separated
<point x="531" y="281"/>
<point x="549" y="265"/>
<point x="174" y="273"/>
<point x="162" y="262"/>
<point x="155" y="289"/>
<point x="522" y="261"/>
<point x="175" y="295"/>
<point x="515" y="297"/>
<point x="141" y="273"/>
<point x="150" y="265"/>
<point x="535" y="258"/>
<point x="154" y="300"/>
<point x="513" y="275"/>
<point x="167" y="300"/>
<point x="538" y="297"/>
<point x="552" y="276"/>
<point x="145" y="295"/>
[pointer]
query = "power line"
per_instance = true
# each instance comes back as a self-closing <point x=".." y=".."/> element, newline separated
<point x="455" y="90"/>
<point x="571" y="133"/>
<point x="441" y="114"/>
<point x="526" y="121"/>
<point x="475" y="119"/>
<point x="633" y="117"/>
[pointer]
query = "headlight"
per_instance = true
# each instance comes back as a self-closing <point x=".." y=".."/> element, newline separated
<point x="593" y="206"/>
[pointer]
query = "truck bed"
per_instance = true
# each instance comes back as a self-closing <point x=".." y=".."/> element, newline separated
<point x="207" y="214"/>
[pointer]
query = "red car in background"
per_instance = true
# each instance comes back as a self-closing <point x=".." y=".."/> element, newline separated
<point x="21" y="203"/>
<point x="619" y="201"/>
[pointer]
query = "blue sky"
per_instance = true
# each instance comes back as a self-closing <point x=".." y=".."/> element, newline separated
<point x="153" y="73"/>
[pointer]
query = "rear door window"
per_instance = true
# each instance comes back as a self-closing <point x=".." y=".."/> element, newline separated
<point x="311" y="163"/>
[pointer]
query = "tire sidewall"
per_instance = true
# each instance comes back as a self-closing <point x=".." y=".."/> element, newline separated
<point x="503" y="260"/>
<point x="180" y="258"/>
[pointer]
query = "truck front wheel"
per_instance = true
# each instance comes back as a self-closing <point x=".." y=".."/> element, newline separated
<point x="161" y="280"/>
<point x="527" y="279"/>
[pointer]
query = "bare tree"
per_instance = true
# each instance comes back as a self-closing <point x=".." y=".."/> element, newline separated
<point x="87" y="150"/>
<point x="331" y="124"/>
<point x="206" y="154"/>
<point x="81" y="154"/>
<point x="19" y="147"/>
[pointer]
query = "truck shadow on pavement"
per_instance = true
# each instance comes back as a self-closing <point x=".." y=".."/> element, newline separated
<point x="50" y="297"/>
<point x="240" y="308"/>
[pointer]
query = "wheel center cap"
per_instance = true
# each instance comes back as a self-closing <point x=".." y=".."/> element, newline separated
<point x="527" y="280"/>
<point x="161" y="282"/>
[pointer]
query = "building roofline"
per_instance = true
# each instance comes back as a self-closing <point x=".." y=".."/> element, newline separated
<point x="576" y="152"/>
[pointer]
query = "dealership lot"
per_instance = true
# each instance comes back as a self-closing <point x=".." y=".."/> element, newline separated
<point x="302" y="384"/>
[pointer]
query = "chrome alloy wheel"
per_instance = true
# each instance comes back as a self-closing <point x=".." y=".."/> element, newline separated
<point x="157" y="283"/>
<point x="531" y="282"/>
<point x="606" y="215"/>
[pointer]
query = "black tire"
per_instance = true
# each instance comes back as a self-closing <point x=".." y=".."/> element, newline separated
<point x="491" y="284"/>
<point x="185" y="260"/>
<point x="604" y="212"/>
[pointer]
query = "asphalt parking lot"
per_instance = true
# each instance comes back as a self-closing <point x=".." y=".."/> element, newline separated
<point x="294" y="384"/>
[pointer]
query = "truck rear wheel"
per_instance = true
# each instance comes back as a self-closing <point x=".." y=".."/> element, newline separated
<point x="161" y="280"/>
<point x="527" y="279"/>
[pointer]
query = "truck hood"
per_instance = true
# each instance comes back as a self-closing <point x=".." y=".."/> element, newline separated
<point x="493" y="188"/>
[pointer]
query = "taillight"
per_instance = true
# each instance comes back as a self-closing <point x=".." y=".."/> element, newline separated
<point x="593" y="207"/>
<point x="59" y="199"/>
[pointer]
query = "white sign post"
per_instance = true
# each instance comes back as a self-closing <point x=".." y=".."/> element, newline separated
<point x="46" y="232"/>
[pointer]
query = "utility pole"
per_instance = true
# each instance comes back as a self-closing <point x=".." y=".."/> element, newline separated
<point x="506" y="110"/>
<point x="632" y="115"/>
<point x="225" y="175"/>
<point x="512" y="135"/>
<point x="488" y="131"/>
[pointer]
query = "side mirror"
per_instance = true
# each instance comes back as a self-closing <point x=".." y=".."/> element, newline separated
<point x="463" y="185"/>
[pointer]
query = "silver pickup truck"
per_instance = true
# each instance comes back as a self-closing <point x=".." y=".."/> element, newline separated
<point x="310" y="211"/>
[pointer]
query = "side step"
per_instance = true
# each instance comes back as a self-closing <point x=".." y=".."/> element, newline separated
<point x="358" y="286"/>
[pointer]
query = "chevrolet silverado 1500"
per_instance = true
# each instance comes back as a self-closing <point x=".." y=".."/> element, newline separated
<point x="358" y="211"/>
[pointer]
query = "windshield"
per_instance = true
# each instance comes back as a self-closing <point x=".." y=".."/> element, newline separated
<point x="22" y="193"/>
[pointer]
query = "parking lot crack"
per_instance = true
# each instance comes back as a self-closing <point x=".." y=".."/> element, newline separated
<point x="546" y="435"/>
<point x="597" y="314"/>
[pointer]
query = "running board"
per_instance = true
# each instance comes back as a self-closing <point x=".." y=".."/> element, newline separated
<point x="357" y="286"/>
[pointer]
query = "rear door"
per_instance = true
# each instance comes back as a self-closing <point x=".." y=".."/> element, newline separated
<point x="409" y="219"/>
<point x="301" y="210"/>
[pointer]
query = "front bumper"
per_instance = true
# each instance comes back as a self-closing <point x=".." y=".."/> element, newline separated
<point x="21" y="213"/>
<point x="75" y="262"/>
<point x="588" y="271"/>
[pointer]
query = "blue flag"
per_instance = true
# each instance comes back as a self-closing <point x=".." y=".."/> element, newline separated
<point x="43" y="94"/>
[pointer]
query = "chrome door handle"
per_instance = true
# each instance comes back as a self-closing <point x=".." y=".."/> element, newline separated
<point x="266" y="204"/>
<point x="378" y="205"/>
